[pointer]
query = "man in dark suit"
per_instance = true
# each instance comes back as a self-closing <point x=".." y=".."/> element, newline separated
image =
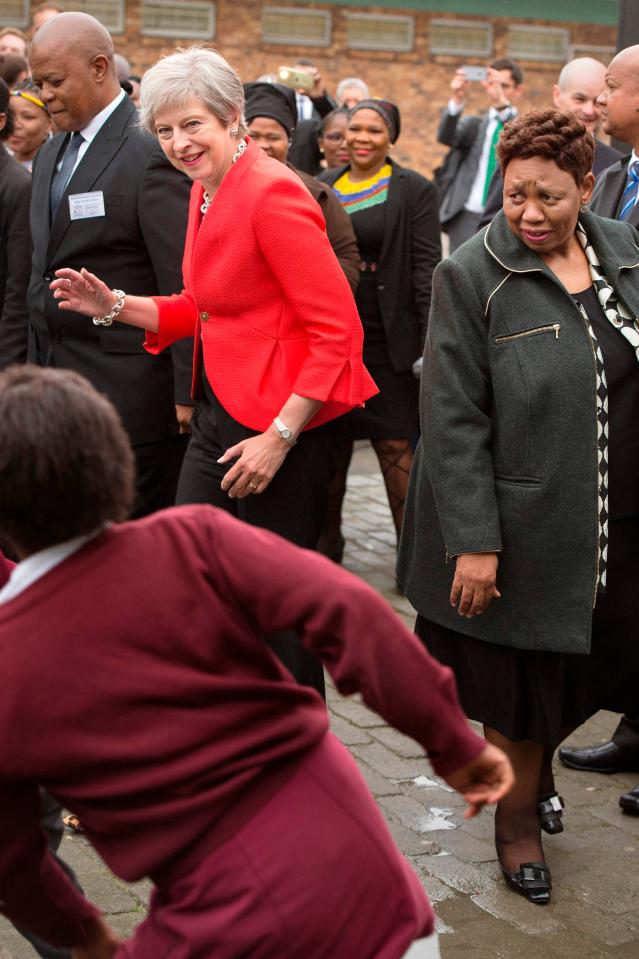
<point x="472" y="140"/>
<point x="615" y="196"/>
<point x="576" y="91"/>
<point x="104" y="197"/>
<point x="15" y="246"/>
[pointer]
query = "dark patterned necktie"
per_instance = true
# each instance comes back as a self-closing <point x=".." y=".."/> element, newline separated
<point x="62" y="177"/>
<point x="629" y="196"/>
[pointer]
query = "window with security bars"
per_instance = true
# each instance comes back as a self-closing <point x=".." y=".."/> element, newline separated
<point x="178" y="18"/>
<point x="292" y="25"/>
<point x="14" y="13"/>
<point x="110" y="13"/>
<point x="605" y="54"/>
<point x="461" y="36"/>
<point x="538" y="43"/>
<point x="367" y="31"/>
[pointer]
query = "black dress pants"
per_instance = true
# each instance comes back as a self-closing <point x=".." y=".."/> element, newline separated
<point x="157" y="467"/>
<point x="293" y="505"/>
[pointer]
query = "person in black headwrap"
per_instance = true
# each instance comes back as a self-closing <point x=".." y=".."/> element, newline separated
<point x="271" y="115"/>
<point x="394" y="213"/>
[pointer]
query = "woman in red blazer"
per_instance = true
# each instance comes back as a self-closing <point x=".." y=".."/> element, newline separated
<point x="278" y="341"/>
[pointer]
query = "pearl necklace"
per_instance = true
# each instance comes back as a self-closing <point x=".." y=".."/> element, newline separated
<point x="241" y="147"/>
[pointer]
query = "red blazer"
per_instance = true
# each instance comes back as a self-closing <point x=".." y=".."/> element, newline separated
<point x="270" y="307"/>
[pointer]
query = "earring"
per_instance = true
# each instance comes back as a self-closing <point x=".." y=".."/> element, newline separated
<point x="233" y="132"/>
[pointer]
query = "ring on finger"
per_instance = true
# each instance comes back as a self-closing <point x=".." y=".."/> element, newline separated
<point x="253" y="485"/>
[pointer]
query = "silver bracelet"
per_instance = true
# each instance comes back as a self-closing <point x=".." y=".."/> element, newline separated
<point x="117" y="308"/>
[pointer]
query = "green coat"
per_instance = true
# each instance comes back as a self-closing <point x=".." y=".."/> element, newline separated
<point x="508" y="455"/>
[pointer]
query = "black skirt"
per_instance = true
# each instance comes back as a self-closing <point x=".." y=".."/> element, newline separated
<point x="525" y="694"/>
<point x="393" y="413"/>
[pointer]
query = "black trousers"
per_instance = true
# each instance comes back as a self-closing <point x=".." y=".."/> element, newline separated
<point x="54" y="828"/>
<point x="293" y="505"/>
<point x="626" y="735"/>
<point x="157" y="467"/>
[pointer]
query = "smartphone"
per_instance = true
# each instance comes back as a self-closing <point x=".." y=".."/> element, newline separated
<point x="296" y="79"/>
<point x="475" y="73"/>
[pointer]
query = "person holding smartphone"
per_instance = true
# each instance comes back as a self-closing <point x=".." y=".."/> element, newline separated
<point x="472" y="161"/>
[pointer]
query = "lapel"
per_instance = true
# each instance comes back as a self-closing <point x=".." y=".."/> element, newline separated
<point x="101" y="151"/>
<point x="608" y="189"/>
<point x="395" y="204"/>
<point x="45" y="164"/>
<point x="613" y="243"/>
<point x="214" y="225"/>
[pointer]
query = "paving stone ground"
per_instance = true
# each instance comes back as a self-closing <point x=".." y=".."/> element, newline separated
<point x="594" y="912"/>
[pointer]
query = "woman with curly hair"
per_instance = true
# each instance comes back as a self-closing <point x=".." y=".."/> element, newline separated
<point x="523" y="505"/>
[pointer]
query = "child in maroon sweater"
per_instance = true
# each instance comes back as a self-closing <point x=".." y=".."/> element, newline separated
<point x="174" y="733"/>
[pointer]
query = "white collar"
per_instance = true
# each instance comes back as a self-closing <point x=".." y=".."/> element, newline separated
<point x="94" y="126"/>
<point x="633" y="158"/>
<point x="25" y="573"/>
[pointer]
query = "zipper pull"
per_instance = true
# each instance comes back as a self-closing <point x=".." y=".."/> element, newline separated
<point x="556" y="328"/>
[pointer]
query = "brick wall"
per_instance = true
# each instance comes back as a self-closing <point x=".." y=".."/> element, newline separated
<point x="416" y="81"/>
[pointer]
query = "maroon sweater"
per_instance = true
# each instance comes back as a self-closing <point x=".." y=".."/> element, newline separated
<point x="138" y="689"/>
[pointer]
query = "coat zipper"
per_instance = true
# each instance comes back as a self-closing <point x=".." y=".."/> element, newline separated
<point x="551" y="328"/>
<point x="584" y="316"/>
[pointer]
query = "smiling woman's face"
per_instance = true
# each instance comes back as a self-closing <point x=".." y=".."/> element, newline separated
<point x="542" y="202"/>
<point x="31" y="125"/>
<point x="196" y="142"/>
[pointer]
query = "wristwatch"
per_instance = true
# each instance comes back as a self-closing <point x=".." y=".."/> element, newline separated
<point x="287" y="435"/>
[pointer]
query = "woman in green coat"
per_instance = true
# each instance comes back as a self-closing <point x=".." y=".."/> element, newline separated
<point x="520" y="548"/>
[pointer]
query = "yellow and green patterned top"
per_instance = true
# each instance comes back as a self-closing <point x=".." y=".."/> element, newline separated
<point x="365" y="193"/>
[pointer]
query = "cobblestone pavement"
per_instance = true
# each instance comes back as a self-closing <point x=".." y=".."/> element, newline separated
<point x="594" y="913"/>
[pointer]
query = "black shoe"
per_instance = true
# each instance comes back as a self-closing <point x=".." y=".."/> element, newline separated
<point x="532" y="881"/>
<point x="551" y="807"/>
<point x="607" y="758"/>
<point x="629" y="802"/>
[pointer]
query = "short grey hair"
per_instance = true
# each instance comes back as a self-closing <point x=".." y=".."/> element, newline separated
<point x="193" y="74"/>
<point x="351" y="82"/>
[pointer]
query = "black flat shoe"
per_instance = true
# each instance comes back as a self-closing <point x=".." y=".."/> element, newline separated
<point x="629" y="802"/>
<point x="532" y="881"/>
<point x="551" y="807"/>
<point x="606" y="758"/>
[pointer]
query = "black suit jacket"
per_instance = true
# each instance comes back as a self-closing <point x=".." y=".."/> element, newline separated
<point x="610" y="185"/>
<point x="410" y="253"/>
<point x="15" y="258"/>
<point x="136" y="247"/>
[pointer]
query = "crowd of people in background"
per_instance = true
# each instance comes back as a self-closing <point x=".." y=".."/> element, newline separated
<point x="245" y="272"/>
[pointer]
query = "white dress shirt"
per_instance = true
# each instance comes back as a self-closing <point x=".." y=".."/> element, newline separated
<point x="91" y="130"/>
<point x="304" y="106"/>
<point x="38" y="564"/>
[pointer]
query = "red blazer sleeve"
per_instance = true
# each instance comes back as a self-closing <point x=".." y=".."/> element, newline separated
<point x="177" y="316"/>
<point x="35" y="892"/>
<point x="290" y="230"/>
<point x="358" y="637"/>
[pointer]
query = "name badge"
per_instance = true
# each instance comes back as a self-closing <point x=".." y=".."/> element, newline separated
<point x="82" y="206"/>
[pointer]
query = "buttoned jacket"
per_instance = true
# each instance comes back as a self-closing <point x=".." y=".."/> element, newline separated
<point x="136" y="246"/>
<point x="508" y="457"/>
<point x="266" y="298"/>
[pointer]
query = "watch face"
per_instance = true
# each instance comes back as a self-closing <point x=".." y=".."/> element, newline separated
<point x="287" y="434"/>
